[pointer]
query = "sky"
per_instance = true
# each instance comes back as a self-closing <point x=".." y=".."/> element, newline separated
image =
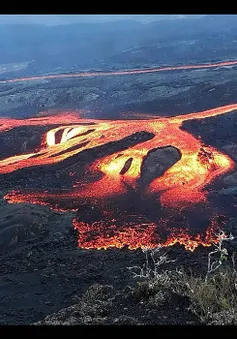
<point x="51" y="19"/>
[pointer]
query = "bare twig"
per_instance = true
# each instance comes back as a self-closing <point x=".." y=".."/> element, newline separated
<point x="223" y="253"/>
<point x="150" y="272"/>
<point x="233" y="261"/>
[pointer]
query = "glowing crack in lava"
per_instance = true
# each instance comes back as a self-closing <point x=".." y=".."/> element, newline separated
<point x="181" y="186"/>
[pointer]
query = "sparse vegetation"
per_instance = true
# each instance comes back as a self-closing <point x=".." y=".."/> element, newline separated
<point x="212" y="298"/>
<point x="150" y="269"/>
<point x="219" y="250"/>
<point x="209" y="297"/>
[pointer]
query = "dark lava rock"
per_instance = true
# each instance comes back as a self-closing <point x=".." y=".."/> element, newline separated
<point x="158" y="161"/>
<point x="231" y="179"/>
<point x="231" y="150"/>
<point x="217" y="131"/>
<point x="228" y="191"/>
<point x="126" y="320"/>
<point x="66" y="316"/>
<point x="227" y="317"/>
<point x="93" y="308"/>
<point x="21" y="222"/>
<point x="126" y="166"/>
<point x="22" y="140"/>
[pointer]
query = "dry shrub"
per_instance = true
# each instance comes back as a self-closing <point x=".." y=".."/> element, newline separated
<point x="209" y="296"/>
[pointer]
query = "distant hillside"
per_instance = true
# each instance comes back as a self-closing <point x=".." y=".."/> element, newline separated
<point x="118" y="44"/>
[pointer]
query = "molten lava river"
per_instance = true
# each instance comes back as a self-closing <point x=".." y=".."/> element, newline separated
<point x="111" y="184"/>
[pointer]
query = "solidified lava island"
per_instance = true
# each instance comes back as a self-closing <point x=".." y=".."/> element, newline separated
<point x="111" y="179"/>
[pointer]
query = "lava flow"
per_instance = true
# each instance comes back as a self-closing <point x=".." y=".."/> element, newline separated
<point x="124" y="72"/>
<point x="141" y="234"/>
<point x="180" y="187"/>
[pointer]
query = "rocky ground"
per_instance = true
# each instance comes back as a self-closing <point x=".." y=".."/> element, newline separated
<point x="163" y="93"/>
<point x="46" y="279"/>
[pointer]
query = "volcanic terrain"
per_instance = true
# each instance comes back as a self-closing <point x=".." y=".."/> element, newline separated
<point x="109" y="188"/>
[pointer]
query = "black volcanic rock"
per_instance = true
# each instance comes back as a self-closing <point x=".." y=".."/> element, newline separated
<point x="231" y="179"/>
<point x="231" y="150"/>
<point x="157" y="162"/>
<point x="22" y="140"/>
<point x="218" y="131"/>
<point x="21" y="222"/>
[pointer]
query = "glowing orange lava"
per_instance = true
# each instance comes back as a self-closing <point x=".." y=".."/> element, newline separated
<point x="182" y="185"/>
<point x="140" y="235"/>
